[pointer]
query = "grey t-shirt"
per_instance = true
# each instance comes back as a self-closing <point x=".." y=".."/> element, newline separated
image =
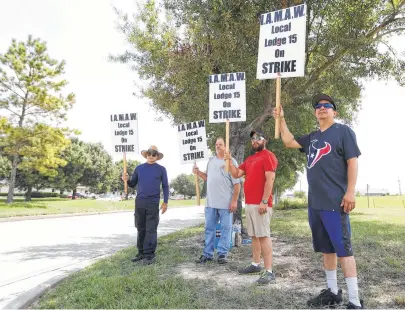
<point x="327" y="154"/>
<point x="219" y="184"/>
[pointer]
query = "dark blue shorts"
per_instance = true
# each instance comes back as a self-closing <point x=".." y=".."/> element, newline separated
<point x="330" y="232"/>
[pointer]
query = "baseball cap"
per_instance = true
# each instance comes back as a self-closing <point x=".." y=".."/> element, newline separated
<point x="259" y="131"/>
<point x="319" y="97"/>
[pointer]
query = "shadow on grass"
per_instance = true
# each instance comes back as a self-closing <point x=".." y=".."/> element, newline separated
<point x="175" y="281"/>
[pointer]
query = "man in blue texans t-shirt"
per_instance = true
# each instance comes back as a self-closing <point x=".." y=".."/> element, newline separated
<point x="148" y="177"/>
<point x="332" y="154"/>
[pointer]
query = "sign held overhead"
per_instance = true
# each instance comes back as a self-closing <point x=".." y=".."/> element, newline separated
<point x="282" y="43"/>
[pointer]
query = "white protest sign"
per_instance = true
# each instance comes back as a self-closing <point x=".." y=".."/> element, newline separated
<point x="282" y="43"/>
<point x="124" y="131"/>
<point x="193" y="142"/>
<point x="227" y="98"/>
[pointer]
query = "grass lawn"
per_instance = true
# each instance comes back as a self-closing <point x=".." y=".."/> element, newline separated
<point x="42" y="206"/>
<point x="175" y="281"/>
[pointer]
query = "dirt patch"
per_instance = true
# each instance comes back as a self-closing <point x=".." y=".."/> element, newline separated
<point x="299" y="275"/>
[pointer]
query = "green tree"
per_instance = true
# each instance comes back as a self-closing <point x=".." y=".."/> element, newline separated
<point x="26" y="180"/>
<point x="347" y="42"/>
<point x="99" y="174"/>
<point x="117" y="184"/>
<point x="184" y="184"/>
<point x="31" y="94"/>
<point x="88" y="164"/>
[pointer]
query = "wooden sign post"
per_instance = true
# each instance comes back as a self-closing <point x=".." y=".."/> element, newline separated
<point x="227" y="144"/>
<point x="197" y="189"/>
<point x="125" y="173"/>
<point x="278" y="99"/>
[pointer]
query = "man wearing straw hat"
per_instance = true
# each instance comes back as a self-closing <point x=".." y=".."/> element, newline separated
<point x="148" y="177"/>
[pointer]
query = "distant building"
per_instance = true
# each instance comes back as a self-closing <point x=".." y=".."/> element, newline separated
<point x="374" y="192"/>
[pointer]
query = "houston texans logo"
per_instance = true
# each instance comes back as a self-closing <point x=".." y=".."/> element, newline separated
<point x="315" y="154"/>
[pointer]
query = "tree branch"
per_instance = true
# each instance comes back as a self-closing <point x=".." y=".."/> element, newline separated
<point x="379" y="37"/>
<point x="10" y="89"/>
<point x="389" y="20"/>
<point x="11" y="111"/>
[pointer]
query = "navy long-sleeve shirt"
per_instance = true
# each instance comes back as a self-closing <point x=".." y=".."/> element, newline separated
<point x="149" y="177"/>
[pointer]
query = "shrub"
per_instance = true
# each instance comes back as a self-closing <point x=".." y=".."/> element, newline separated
<point x="44" y="195"/>
<point x="300" y="194"/>
<point x="34" y="195"/>
<point x="285" y="204"/>
<point x="16" y="194"/>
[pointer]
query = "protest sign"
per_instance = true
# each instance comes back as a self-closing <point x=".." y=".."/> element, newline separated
<point x="193" y="146"/>
<point x="192" y="142"/>
<point x="282" y="43"/>
<point x="124" y="133"/>
<point x="282" y="48"/>
<point x="227" y="98"/>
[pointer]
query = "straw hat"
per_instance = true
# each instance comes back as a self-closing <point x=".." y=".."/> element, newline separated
<point x="152" y="148"/>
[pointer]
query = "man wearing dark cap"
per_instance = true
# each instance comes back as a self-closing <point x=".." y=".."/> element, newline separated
<point x="332" y="154"/>
<point x="148" y="177"/>
<point x="259" y="170"/>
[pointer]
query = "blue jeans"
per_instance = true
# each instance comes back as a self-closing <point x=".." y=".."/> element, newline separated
<point x="211" y="219"/>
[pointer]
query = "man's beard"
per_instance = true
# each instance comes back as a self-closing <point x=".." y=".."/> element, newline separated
<point x="258" y="148"/>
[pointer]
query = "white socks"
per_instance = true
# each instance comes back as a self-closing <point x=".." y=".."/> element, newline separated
<point x="255" y="264"/>
<point x="331" y="279"/>
<point x="353" y="290"/>
<point x="352" y="287"/>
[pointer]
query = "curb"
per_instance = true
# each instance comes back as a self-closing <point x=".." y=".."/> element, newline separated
<point x="52" y="216"/>
<point x="27" y="300"/>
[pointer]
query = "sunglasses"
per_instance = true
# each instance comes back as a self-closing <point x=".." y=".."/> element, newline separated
<point x="257" y="138"/>
<point x="325" y="105"/>
<point x="152" y="153"/>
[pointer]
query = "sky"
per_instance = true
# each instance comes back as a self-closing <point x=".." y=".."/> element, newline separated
<point x="84" y="33"/>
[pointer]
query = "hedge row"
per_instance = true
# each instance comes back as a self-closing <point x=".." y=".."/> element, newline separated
<point x="36" y="195"/>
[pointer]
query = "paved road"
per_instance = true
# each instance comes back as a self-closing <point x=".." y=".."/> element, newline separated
<point x="36" y="253"/>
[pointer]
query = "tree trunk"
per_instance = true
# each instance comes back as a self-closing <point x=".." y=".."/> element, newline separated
<point x="28" y="194"/>
<point x="74" y="194"/>
<point x="237" y="140"/>
<point x="13" y="174"/>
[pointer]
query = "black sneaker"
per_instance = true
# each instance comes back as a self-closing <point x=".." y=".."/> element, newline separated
<point x="203" y="259"/>
<point x="149" y="261"/>
<point x="350" y="305"/>
<point x="137" y="258"/>
<point x="222" y="259"/>
<point x="326" y="298"/>
<point x="266" y="277"/>
<point x="251" y="269"/>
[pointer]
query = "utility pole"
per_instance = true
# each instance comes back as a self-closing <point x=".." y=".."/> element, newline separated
<point x="399" y="185"/>
<point x="368" y="198"/>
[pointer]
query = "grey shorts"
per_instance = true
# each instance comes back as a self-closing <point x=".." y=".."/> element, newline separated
<point x="258" y="225"/>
